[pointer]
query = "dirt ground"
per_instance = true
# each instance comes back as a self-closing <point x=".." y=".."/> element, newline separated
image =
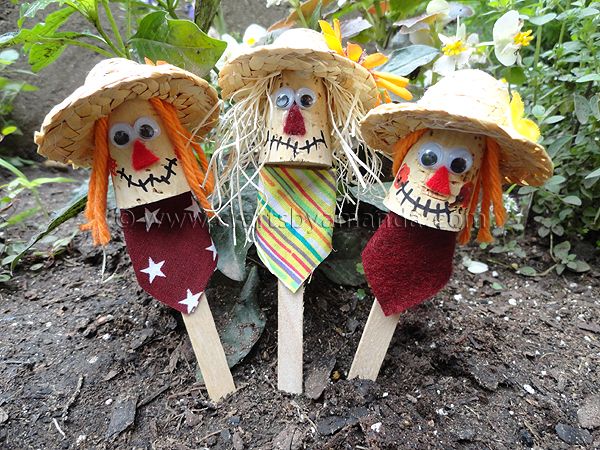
<point x="475" y="368"/>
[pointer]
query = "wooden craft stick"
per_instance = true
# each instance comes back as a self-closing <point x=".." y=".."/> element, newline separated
<point x="373" y="344"/>
<point x="290" y="310"/>
<point x="209" y="351"/>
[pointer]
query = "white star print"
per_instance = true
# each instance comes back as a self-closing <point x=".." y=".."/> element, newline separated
<point x="191" y="301"/>
<point x="150" y="218"/>
<point x="195" y="209"/>
<point x="154" y="269"/>
<point x="212" y="249"/>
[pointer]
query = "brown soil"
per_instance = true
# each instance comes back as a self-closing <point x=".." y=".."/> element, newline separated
<point x="473" y="368"/>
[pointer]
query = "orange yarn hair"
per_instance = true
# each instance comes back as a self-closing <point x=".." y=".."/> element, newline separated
<point x="488" y="184"/>
<point x="402" y="147"/>
<point x="200" y="180"/>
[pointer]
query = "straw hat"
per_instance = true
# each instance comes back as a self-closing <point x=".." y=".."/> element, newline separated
<point x="469" y="101"/>
<point x="67" y="133"/>
<point x="297" y="49"/>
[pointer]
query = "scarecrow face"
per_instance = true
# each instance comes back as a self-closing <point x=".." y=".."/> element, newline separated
<point x="435" y="182"/>
<point x="142" y="162"/>
<point x="299" y="132"/>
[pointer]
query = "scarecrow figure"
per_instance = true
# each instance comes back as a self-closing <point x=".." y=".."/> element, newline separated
<point x="137" y="123"/>
<point x="453" y="150"/>
<point x="296" y="106"/>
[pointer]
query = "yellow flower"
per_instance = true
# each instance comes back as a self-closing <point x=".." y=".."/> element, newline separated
<point x="525" y="127"/>
<point x="333" y="35"/>
<point x="523" y="38"/>
<point x="454" y="48"/>
<point x="354" y="52"/>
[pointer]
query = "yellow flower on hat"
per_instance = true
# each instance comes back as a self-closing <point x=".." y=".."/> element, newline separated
<point x="525" y="127"/>
<point x="333" y="35"/>
<point x="354" y="52"/>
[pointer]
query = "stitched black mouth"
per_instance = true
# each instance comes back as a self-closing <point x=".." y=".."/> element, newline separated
<point x="294" y="145"/>
<point x="426" y="208"/>
<point x="152" y="179"/>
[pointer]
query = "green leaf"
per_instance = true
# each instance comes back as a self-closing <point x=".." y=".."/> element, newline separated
<point x="340" y="265"/>
<point x="593" y="174"/>
<point x="8" y="56"/>
<point x="10" y="129"/>
<point x="30" y="9"/>
<point x="68" y="212"/>
<point x="515" y="75"/>
<point x="561" y="250"/>
<point x="556" y="179"/>
<point x="595" y="106"/>
<point x="572" y="200"/>
<point x="404" y="61"/>
<point x="588" y="77"/>
<point x="373" y="197"/>
<point x="524" y="190"/>
<point x="232" y="255"/>
<point x="542" y="20"/>
<point x="43" y="43"/>
<point x="527" y="271"/>
<point x="580" y="266"/>
<point x="582" y="109"/>
<point x="246" y="323"/>
<point x="553" y="119"/>
<point x="179" y="42"/>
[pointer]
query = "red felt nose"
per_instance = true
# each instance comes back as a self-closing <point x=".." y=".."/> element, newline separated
<point x="141" y="156"/>
<point x="440" y="182"/>
<point x="294" y="122"/>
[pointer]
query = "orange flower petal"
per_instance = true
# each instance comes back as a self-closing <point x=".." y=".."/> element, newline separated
<point x="354" y="51"/>
<point x="374" y="60"/>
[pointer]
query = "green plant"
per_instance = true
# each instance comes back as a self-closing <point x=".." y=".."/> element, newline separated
<point x="9" y="89"/>
<point x="152" y="30"/>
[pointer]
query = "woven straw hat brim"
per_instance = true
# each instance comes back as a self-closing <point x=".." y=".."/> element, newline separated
<point x="242" y="71"/>
<point x="522" y="161"/>
<point x="67" y="133"/>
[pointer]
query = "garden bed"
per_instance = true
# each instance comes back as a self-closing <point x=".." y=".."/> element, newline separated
<point x="93" y="364"/>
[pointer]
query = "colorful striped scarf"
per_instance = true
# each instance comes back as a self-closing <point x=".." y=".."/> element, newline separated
<point x="295" y="223"/>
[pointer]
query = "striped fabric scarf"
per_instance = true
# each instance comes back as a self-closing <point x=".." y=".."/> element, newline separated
<point x="295" y="223"/>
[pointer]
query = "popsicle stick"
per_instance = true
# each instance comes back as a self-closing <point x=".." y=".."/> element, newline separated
<point x="209" y="351"/>
<point x="290" y="309"/>
<point x="374" y="344"/>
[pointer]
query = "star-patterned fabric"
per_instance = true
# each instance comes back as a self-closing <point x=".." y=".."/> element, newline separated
<point x="171" y="250"/>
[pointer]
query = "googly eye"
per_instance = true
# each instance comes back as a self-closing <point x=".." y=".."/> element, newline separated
<point x="306" y="98"/>
<point x="431" y="155"/>
<point x="121" y="134"/>
<point x="284" y="98"/>
<point x="459" y="160"/>
<point x="146" y="128"/>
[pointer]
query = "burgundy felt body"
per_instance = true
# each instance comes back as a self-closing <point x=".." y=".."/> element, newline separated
<point x="406" y="263"/>
<point x="171" y="250"/>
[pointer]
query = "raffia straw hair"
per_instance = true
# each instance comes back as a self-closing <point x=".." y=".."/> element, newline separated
<point x="243" y="129"/>
<point x="488" y="184"/>
<point x="201" y="181"/>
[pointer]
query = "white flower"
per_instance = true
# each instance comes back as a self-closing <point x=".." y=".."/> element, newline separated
<point x="253" y="34"/>
<point x="233" y="48"/>
<point x="508" y="38"/>
<point x="273" y="2"/>
<point x="457" y="51"/>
